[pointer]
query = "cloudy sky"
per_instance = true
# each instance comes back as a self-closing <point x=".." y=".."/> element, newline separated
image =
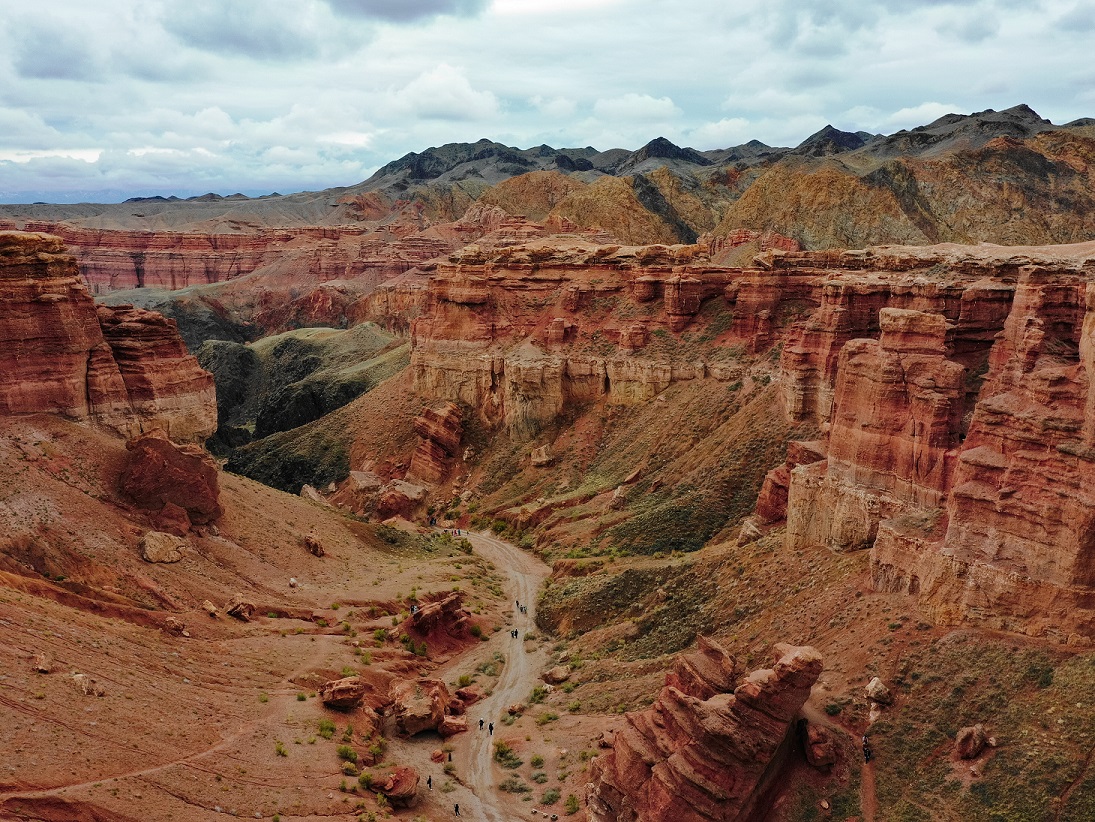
<point x="107" y="99"/>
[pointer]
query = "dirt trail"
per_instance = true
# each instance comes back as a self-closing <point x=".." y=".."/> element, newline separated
<point x="868" y="801"/>
<point x="477" y="795"/>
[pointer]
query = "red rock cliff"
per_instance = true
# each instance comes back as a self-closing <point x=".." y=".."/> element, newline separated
<point x="699" y="752"/>
<point x="123" y="368"/>
<point x="975" y="497"/>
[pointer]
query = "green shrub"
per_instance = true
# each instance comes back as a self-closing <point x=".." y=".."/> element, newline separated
<point x="571" y="804"/>
<point x="538" y="694"/>
<point x="550" y="797"/>
<point x="279" y="749"/>
<point x="365" y="780"/>
<point x="464" y="681"/>
<point x="326" y="728"/>
<point x="347" y="753"/>
<point x="505" y="756"/>
<point x="536" y="761"/>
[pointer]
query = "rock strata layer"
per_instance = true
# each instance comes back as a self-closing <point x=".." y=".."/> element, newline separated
<point x="121" y="367"/>
<point x="699" y="753"/>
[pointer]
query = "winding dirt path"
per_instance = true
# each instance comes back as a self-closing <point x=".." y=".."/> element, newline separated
<point x="476" y="794"/>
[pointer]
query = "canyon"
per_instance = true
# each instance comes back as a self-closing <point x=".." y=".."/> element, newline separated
<point x="763" y="457"/>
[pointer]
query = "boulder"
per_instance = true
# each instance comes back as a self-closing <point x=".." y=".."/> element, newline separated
<point x="210" y="609"/>
<point x="542" y="457"/>
<point x="470" y="695"/>
<point x="401" y="786"/>
<point x="172" y="519"/>
<point x="343" y="694"/>
<point x="557" y="675"/>
<point x="157" y="546"/>
<point x="452" y="725"/>
<point x="418" y="704"/>
<point x="314" y="546"/>
<point x="820" y="747"/>
<point x="878" y="692"/>
<point x="158" y="472"/>
<point x="437" y="755"/>
<point x="516" y="709"/>
<point x="88" y="686"/>
<point x="43" y="663"/>
<point x="970" y="741"/>
<point x="607" y="739"/>
<point x="175" y="627"/>
<point x="240" y="608"/>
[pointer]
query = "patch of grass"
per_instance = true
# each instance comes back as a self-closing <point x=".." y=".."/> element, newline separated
<point x="346" y="753"/>
<point x="505" y="756"/>
<point x="279" y="748"/>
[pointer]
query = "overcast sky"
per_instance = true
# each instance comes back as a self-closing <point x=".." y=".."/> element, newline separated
<point x="105" y="99"/>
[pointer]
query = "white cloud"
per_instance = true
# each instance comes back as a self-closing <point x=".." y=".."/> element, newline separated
<point x="636" y="107"/>
<point x="444" y="93"/>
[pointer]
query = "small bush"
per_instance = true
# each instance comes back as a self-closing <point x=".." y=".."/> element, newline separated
<point x="302" y="697"/>
<point x="571" y="804"/>
<point x="546" y="717"/>
<point x="464" y="681"/>
<point x="536" y="761"/>
<point x="539" y="777"/>
<point x="349" y="768"/>
<point x="833" y="708"/>
<point x="550" y="797"/>
<point x="326" y="728"/>
<point x="263" y="698"/>
<point x="513" y="784"/>
<point x="476" y="631"/>
<point x="505" y="756"/>
<point x="347" y="753"/>
<point x="279" y="749"/>
<point x="538" y="694"/>
<point x="365" y="780"/>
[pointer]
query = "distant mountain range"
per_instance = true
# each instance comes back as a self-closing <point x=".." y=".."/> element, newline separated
<point x="1008" y="176"/>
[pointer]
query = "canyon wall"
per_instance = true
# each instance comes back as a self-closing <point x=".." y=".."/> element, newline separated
<point x="949" y="386"/>
<point x="122" y="367"/>
<point x="952" y="387"/>
<point x="114" y="260"/>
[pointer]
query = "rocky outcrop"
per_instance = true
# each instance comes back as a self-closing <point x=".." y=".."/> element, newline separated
<point x="124" y="368"/>
<point x="160" y="473"/>
<point x="440" y="430"/>
<point x="418" y="704"/>
<point x="156" y="546"/>
<point x="701" y="750"/>
<point x="344" y="694"/>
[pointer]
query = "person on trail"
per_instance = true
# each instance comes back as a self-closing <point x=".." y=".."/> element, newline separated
<point x="480" y="724"/>
<point x="456" y="809"/>
<point x="517" y="602"/>
<point x="490" y="727"/>
<point x="429" y="782"/>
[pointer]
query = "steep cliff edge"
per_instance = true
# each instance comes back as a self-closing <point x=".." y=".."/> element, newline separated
<point x="954" y="396"/>
<point x="122" y="367"/>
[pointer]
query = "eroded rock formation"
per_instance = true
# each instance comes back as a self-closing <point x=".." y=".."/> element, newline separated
<point x="952" y="387"/>
<point x="701" y="750"/>
<point x="124" y="368"/>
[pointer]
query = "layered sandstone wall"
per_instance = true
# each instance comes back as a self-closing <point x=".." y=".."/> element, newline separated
<point x="114" y="260"/>
<point x="958" y="432"/>
<point x="121" y="367"/>
<point x="700" y="751"/>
